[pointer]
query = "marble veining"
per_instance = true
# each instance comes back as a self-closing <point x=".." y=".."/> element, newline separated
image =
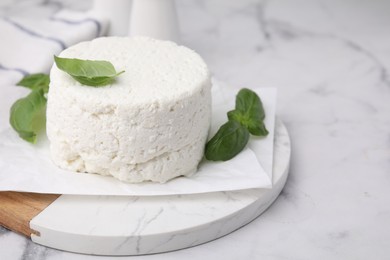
<point x="330" y="61"/>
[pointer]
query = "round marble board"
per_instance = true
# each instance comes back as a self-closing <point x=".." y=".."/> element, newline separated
<point x="123" y="225"/>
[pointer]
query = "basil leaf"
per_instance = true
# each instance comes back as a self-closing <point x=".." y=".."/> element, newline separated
<point x="255" y="126"/>
<point x="230" y="140"/>
<point x="249" y="102"/>
<point x="36" y="81"/>
<point x="27" y="115"/>
<point x="94" y="73"/>
<point x="249" y="112"/>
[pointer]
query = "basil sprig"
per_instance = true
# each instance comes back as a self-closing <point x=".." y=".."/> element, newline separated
<point x="249" y="112"/>
<point x="95" y="73"/>
<point x="232" y="137"/>
<point x="27" y="115"/>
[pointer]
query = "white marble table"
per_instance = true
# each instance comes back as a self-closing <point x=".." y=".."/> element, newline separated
<point x="330" y="61"/>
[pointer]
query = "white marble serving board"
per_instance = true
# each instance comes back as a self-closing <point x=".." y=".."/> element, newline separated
<point x="131" y="225"/>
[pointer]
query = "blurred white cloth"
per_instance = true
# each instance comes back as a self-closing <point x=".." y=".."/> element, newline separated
<point x="33" y="34"/>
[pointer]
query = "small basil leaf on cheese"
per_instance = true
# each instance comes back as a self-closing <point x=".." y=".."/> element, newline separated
<point x="35" y="81"/>
<point x="27" y="115"/>
<point x="230" y="140"/>
<point x="95" y="73"/>
<point x="249" y="112"/>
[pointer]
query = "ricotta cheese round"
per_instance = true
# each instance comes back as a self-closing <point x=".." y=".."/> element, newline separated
<point x="150" y="124"/>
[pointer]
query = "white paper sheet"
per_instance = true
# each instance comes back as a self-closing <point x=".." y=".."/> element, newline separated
<point x="27" y="167"/>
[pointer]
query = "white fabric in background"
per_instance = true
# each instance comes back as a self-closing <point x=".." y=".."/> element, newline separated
<point x="29" y="42"/>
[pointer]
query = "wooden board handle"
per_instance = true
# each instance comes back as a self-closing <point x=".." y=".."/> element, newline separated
<point x="18" y="208"/>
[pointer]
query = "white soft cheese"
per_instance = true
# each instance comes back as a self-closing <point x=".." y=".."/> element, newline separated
<point x="151" y="124"/>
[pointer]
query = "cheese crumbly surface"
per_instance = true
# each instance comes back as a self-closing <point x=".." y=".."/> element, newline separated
<point x="151" y="124"/>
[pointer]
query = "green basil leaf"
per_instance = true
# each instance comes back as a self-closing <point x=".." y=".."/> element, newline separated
<point x="36" y="81"/>
<point x="94" y="73"/>
<point x="249" y="112"/>
<point x="27" y="115"/>
<point x="249" y="102"/>
<point x="230" y="140"/>
<point x="255" y="126"/>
